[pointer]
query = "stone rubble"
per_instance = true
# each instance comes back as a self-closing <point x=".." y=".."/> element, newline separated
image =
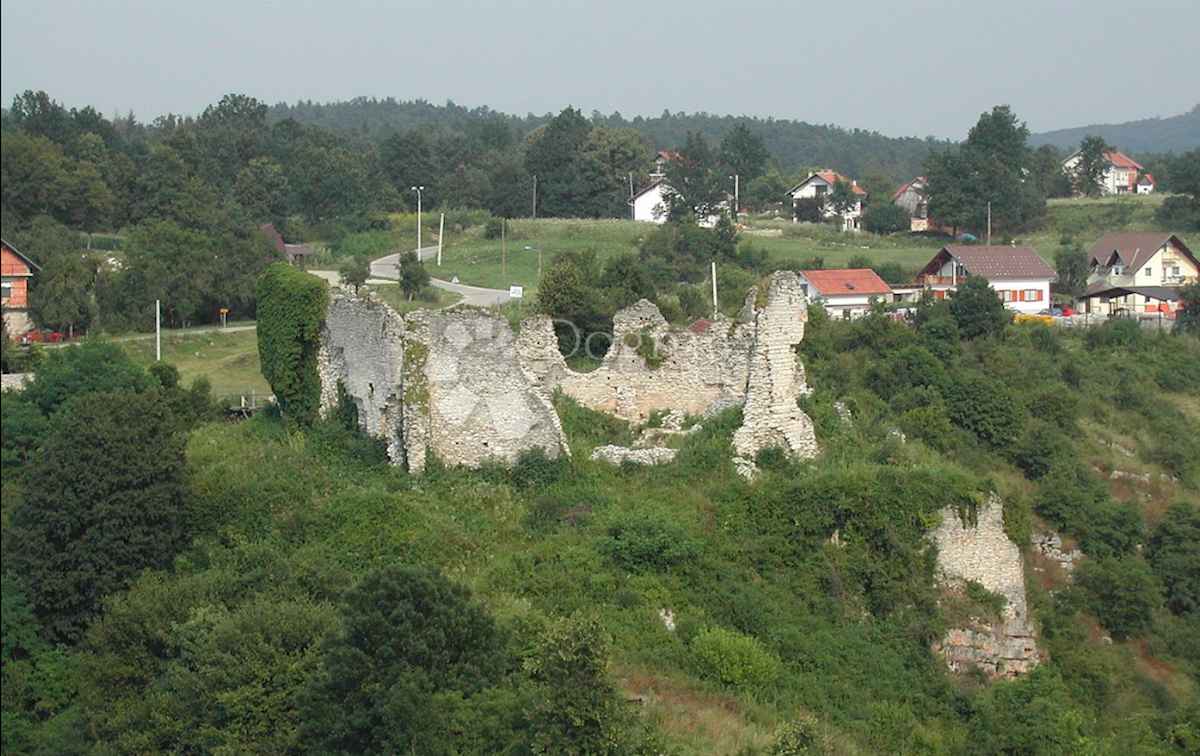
<point x="1049" y="545"/>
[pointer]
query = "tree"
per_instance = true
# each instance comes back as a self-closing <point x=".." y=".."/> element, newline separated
<point x="1092" y="166"/>
<point x="693" y="188"/>
<point x="1173" y="549"/>
<point x="577" y="711"/>
<point x="413" y="275"/>
<point x="977" y="309"/>
<point x="414" y="648"/>
<point x="102" y="501"/>
<point x="1121" y="591"/>
<point x="175" y="265"/>
<point x="885" y="218"/>
<point x="743" y="153"/>
<point x="1187" y="320"/>
<point x="988" y="170"/>
<point x="1183" y="178"/>
<point x="91" y="367"/>
<point x="1071" y="264"/>
<point x="61" y="296"/>
<point x="878" y="186"/>
<point x="552" y="154"/>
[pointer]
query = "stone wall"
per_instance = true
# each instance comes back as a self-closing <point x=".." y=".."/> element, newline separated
<point x="445" y="382"/>
<point x="686" y="371"/>
<point x="983" y="553"/>
<point x="771" y="417"/>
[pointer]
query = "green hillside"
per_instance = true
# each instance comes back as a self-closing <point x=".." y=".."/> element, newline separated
<point x="677" y="609"/>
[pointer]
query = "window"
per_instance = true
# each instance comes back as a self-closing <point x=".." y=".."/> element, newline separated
<point x="1031" y="295"/>
<point x="6" y="291"/>
<point x="1149" y="272"/>
<point x="1175" y="270"/>
<point x="1006" y="295"/>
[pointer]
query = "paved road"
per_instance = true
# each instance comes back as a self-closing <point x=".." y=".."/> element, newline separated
<point x="384" y="269"/>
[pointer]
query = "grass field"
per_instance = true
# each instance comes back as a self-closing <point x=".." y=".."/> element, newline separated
<point x="228" y="358"/>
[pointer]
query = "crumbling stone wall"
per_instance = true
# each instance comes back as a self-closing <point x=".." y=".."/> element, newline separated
<point x="686" y="371"/>
<point x="445" y="382"/>
<point x="983" y="553"/>
<point x="771" y="417"/>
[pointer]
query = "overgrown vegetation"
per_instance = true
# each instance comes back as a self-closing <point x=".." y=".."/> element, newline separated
<point x="291" y="311"/>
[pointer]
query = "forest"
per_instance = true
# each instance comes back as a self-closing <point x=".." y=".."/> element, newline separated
<point x="177" y="583"/>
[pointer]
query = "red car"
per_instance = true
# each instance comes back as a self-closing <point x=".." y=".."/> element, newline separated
<point x="43" y="336"/>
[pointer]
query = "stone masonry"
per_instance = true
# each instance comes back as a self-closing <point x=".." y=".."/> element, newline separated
<point x="983" y="553"/>
<point x="771" y="417"/>
<point x="687" y="371"/>
<point x="445" y="382"/>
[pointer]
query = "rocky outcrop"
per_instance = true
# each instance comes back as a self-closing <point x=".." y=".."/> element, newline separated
<point x="982" y="552"/>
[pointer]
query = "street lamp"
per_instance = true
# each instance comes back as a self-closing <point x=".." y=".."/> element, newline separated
<point x="539" y="251"/>
<point x="418" y="190"/>
<point x="737" y="195"/>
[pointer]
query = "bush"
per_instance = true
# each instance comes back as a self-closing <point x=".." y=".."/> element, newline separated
<point x="985" y="407"/>
<point x="1121" y="592"/>
<point x="648" y="542"/>
<point x="731" y="658"/>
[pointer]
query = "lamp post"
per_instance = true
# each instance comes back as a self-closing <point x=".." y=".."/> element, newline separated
<point x="539" y="251"/>
<point x="737" y="195"/>
<point x="418" y="190"/>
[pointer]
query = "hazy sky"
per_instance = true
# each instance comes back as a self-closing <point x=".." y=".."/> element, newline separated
<point x="915" y="67"/>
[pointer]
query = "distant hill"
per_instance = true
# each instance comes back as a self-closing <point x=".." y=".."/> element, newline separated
<point x="794" y="145"/>
<point x="1176" y="134"/>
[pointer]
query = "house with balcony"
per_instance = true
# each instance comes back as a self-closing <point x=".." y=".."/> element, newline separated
<point x="1121" y="177"/>
<point x="1014" y="271"/>
<point x="1138" y="272"/>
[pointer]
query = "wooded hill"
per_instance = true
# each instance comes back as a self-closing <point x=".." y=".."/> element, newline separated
<point x="1175" y="134"/>
<point x="793" y="145"/>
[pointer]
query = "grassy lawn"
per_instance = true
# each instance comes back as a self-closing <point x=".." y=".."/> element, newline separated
<point x="228" y="358"/>
<point x="394" y="297"/>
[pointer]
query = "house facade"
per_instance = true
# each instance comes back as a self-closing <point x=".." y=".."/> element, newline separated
<point x="845" y="294"/>
<point x="1016" y="272"/>
<point x="16" y="270"/>
<point x="914" y="199"/>
<point x="1138" y="273"/>
<point x="1122" y="176"/>
<point x="650" y="204"/>
<point x="820" y="185"/>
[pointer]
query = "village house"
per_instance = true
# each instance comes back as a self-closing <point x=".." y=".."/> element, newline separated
<point x="1138" y="273"/>
<point x="914" y="199"/>
<point x="293" y="254"/>
<point x="16" y="270"/>
<point x="1016" y="272"/>
<point x="820" y="185"/>
<point x="1122" y="176"/>
<point x="650" y="204"/>
<point x="845" y="294"/>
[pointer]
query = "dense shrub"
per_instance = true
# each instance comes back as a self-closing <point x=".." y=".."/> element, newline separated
<point x="291" y="312"/>
<point x="731" y="658"/>
<point x="648" y="542"/>
<point x="985" y="407"/>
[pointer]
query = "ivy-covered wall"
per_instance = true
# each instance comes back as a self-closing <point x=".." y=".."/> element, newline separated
<point x="291" y="312"/>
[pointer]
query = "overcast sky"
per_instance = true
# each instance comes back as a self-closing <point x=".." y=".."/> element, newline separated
<point x="919" y="68"/>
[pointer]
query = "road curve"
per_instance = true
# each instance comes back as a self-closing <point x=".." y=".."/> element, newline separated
<point x="384" y="269"/>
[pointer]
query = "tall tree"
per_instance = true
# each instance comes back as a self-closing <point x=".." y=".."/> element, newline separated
<point x="1093" y="165"/>
<point x="743" y="153"/>
<point x="414" y="647"/>
<point x="552" y="155"/>
<point x="101" y="502"/>
<point x="693" y="184"/>
<point x="1071" y="264"/>
<point x="62" y="296"/>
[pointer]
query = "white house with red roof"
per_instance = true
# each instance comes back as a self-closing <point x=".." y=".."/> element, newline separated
<point x="650" y="204"/>
<point x="845" y="293"/>
<point x="1122" y="176"/>
<point x="820" y="184"/>
<point x="1016" y="272"/>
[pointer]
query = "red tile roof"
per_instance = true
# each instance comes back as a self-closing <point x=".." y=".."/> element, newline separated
<point x="830" y="177"/>
<point x="700" y="326"/>
<point x="1123" y="161"/>
<point x="994" y="261"/>
<point x="851" y="281"/>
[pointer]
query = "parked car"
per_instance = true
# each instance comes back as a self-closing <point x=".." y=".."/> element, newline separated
<point x="43" y="336"/>
<point x="1058" y="312"/>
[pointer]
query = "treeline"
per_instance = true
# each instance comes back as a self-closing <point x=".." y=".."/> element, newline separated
<point x="793" y="145"/>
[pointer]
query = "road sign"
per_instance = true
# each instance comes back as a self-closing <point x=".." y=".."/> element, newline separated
<point x="516" y="292"/>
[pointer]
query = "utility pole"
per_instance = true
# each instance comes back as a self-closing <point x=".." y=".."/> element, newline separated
<point x="418" y="190"/>
<point x="158" y="330"/>
<point x="989" y="233"/>
<point x="714" y="280"/>
<point x="441" y="233"/>
<point x="535" y="196"/>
